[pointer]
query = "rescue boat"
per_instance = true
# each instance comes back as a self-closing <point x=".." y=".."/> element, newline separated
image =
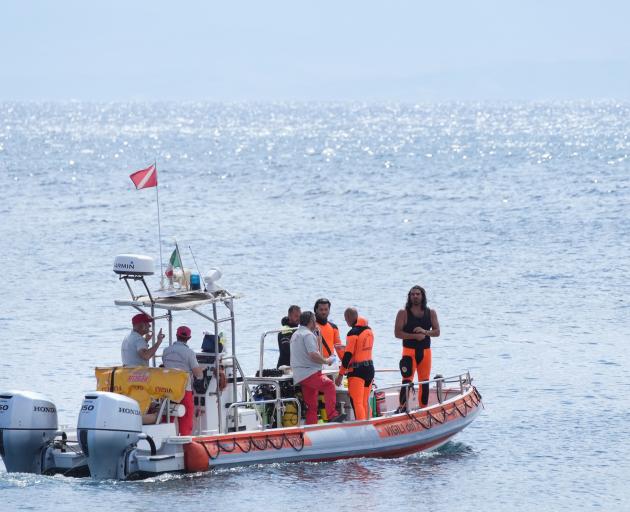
<point x="128" y="427"/>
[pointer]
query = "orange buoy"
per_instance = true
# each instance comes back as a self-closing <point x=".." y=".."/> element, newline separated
<point x="195" y="457"/>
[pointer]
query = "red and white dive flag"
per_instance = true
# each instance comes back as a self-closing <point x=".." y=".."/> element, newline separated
<point x="146" y="178"/>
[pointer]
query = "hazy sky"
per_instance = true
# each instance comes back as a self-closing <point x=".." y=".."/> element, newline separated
<point x="314" y="50"/>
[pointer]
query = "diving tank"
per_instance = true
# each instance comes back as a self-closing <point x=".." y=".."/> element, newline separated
<point x="108" y="429"/>
<point x="28" y="424"/>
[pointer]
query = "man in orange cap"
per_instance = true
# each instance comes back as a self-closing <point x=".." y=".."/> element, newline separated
<point x="135" y="350"/>
<point x="181" y="357"/>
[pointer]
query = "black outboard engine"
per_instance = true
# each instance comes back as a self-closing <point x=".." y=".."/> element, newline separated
<point x="28" y="425"/>
<point x="108" y="430"/>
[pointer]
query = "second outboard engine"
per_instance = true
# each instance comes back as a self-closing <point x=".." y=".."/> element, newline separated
<point x="28" y="425"/>
<point x="108" y="430"/>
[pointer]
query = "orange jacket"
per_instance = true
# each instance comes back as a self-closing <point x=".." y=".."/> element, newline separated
<point x="330" y="337"/>
<point x="359" y="343"/>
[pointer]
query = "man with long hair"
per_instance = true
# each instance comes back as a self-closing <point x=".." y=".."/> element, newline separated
<point x="415" y="326"/>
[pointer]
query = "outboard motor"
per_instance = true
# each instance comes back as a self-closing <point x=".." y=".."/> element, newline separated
<point x="109" y="428"/>
<point x="28" y="425"/>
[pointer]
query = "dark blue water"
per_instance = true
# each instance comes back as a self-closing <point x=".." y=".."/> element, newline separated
<point x="514" y="217"/>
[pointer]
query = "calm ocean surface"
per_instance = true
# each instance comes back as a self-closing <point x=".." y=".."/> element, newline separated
<point x="514" y="217"/>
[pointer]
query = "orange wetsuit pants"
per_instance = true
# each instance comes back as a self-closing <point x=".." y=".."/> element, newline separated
<point x="359" y="387"/>
<point x="420" y="363"/>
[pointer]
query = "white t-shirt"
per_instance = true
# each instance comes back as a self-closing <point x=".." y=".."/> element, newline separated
<point x="181" y="357"/>
<point x="131" y="345"/>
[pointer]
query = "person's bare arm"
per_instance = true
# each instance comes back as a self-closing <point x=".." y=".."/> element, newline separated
<point x="316" y="357"/>
<point x="435" y="329"/>
<point x="148" y="353"/>
<point x="197" y="372"/>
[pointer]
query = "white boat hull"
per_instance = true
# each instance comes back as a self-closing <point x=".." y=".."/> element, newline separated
<point x="391" y="436"/>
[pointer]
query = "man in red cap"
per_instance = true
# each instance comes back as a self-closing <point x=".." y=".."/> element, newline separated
<point x="181" y="357"/>
<point x="135" y="350"/>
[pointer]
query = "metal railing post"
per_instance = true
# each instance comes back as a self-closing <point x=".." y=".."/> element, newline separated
<point x="234" y="362"/>
<point x="279" y="413"/>
<point x="265" y="402"/>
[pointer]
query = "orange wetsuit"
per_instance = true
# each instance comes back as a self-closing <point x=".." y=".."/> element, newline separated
<point x="330" y="337"/>
<point x="357" y="363"/>
<point x="416" y="356"/>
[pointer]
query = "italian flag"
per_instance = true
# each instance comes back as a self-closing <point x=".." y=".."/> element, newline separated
<point x="174" y="262"/>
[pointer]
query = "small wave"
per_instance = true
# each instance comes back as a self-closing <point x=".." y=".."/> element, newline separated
<point x="22" y="480"/>
<point x="546" y="277"/>
<point x="608" y="363"/>
<point x="87" y="206"/>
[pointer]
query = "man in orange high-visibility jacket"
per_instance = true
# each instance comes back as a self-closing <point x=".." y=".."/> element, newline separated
<point x="357" y="363"/>
<point x="328" y="330"/>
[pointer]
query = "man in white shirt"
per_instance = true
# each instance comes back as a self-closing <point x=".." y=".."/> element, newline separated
<point x="181" y="357"/>
<point x="306" y="364"/>
<point x="135" y="350"/>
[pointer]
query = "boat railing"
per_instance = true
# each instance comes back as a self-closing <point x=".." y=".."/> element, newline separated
<point x="267" y="381"/>
<point x="279" y="403"/>
<point x="463" y="381"/>
<point x="261" y="360"/>
<point x="233" y="361"/>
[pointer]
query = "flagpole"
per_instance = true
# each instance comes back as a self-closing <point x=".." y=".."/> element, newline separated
<point x="157" y="200"/>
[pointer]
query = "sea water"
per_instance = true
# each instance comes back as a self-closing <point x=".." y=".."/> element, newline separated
<point x="514" y="217"/>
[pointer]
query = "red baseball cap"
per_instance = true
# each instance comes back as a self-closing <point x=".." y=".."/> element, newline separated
<point x="183" y="332"/>
<point x="141" y="318"/>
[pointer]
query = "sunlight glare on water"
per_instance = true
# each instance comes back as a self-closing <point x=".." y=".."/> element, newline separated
<point x="514" y="217"/>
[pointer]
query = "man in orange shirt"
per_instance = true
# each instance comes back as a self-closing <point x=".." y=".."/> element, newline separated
<point x="329" y="331"/>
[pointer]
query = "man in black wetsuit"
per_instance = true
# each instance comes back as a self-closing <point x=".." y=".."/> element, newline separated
<point x="416" y="325"/>
<point x="289" y="323"/>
